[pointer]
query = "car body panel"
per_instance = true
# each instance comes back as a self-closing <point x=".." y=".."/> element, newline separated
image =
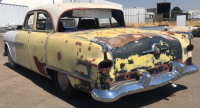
<point x="95" y="35"/>
<point x="75" y="42"/>
<point x="22" y="48"/>
<point x="37" y="51"/>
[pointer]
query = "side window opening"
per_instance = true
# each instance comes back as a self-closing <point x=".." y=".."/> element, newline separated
<point x="43" y="22"/>
<point x="29" y="21"/>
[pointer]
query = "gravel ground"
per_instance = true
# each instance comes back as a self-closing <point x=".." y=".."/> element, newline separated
<point x="22" y="88"/>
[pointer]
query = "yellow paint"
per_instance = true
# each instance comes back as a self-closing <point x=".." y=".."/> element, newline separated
<point x="72" y="53"/>
<point x="141" y="61"/>
<point x="37" y="43"/>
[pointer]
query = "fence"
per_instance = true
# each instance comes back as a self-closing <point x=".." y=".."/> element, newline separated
<point x="12" y="14"/>
<point x="134" y="15"/>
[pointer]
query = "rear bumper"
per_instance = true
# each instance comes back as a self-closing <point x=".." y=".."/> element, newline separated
<point x="147" y="82"/>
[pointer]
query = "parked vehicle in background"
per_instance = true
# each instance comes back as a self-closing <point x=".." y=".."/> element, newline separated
<point x="100" y="55"/>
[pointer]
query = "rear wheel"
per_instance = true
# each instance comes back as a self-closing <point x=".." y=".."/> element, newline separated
<point x="63" y="85"/>
<point x="11" y="62"/>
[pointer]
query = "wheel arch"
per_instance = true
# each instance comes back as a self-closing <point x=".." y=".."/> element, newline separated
<point x="5" y="49"/>
<point x="51" y="72"/>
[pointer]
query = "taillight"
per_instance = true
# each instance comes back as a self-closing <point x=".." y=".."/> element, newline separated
<point x="190" y="47"/>
<point x="105" y="64"/>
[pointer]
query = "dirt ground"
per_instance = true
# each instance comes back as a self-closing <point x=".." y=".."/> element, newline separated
<point x="22" y="88"/>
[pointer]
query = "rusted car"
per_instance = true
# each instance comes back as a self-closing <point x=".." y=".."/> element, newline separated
<point x="86" y="47"/>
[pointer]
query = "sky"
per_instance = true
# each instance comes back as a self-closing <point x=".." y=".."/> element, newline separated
<point x="183" y="4"/>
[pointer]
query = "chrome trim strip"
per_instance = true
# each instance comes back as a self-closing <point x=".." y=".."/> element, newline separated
<point x="105" y="49"/>
<point x="152" y="48"/>
<point x="18" y="43"/>
<point x="146" y="82"/>
<point x="70" y="74"/>
<point x="102" y="45"/>
<point x="46" y="48"/>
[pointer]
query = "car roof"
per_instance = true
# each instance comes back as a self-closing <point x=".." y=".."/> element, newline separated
<point x="56" y="10"/>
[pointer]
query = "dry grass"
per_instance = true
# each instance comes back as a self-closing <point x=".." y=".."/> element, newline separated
<point x="188" y="23"/>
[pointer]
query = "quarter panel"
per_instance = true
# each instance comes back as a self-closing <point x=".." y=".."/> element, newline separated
<point x="74" y="55"/>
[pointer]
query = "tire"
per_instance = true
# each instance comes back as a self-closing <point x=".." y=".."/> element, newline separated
<point x="64" y="86"/>
<point x="11" y="62"/>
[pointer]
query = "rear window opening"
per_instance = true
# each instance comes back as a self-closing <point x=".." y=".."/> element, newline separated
<point x="84" y="19"/>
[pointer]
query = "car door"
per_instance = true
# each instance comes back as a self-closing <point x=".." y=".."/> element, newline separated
<point x="22" y="40"/>
<point x="37" y="42"/>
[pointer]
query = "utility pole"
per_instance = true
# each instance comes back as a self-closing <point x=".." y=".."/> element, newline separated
<point x="53" y="1"/>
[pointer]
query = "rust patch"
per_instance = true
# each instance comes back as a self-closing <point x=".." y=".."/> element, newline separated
<point x="88" y="63"/>
<point x="183" y="36"/>
<point x="77" y="53"/>
<point x="82" y="56"/>
<point x="108" y="81"/>
<point x="78" y="43"/>
<point x="120" y="40"/>
<point x="127" y="76"/>
<point x="79" y="49"/>
<point x="105" y="79"/>
<point x="66" y="41"/>
<point x="59" y="56"/>
<point x="102" y="51"/>
<point x="89" y="48"/>
<point x="40" y="66"/>
<point x="93" y="60"/>
<point x="171" y="33"/>
<point x="41" y="59"/>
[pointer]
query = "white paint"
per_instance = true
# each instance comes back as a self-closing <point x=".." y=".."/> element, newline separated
<point x="9" y="38"/>
<point x="35" y="3"/>
<point x="181" y="21"/>
<point x="57" y="9"/>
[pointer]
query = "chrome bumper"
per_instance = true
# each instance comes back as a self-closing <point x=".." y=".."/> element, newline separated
<point x="147" y="82"/>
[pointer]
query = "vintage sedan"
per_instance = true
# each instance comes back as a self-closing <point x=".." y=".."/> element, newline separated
<point x="86" y="47"/>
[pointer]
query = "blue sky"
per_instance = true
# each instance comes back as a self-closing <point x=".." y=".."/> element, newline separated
<point x="183" y="4"/>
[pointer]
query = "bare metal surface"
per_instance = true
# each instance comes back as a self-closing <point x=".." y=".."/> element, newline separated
<point x="22" y="88"/>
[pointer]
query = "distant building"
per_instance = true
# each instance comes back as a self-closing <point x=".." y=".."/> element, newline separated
<point x="193" y="14"/>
